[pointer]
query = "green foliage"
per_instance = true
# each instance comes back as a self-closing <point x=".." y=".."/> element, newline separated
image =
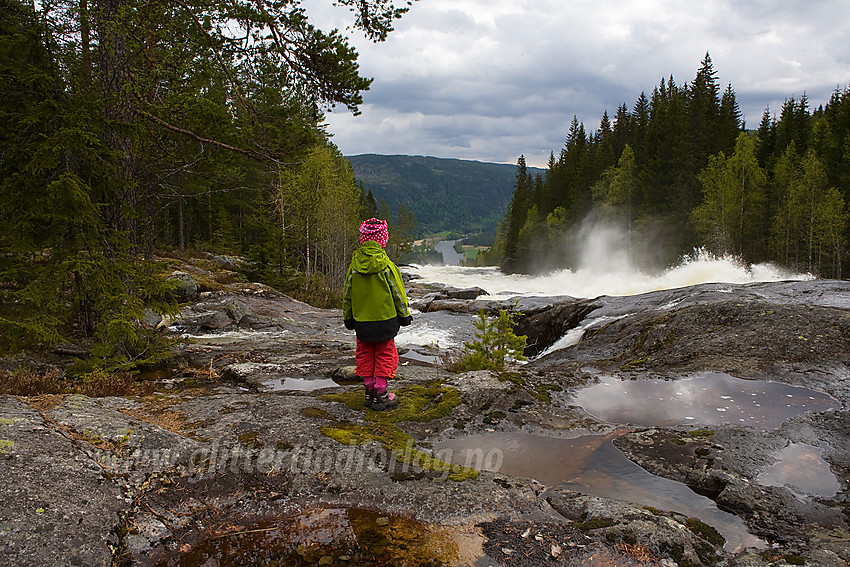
<point x="810" y="226"/>
<point x="679" y="163"/>
<point x="494" y="345"/>
<point x="729" y="218"/>
<point x="132" y="126"/>
<point x="317" y="212"/>
<point x="443" y="194"/>
<point x="65" y="270"/>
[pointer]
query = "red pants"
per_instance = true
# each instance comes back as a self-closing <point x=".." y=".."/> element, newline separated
<point x="377" y="359"/>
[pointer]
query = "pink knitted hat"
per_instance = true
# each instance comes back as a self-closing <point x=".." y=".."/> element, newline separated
<point x="374" y="229"/>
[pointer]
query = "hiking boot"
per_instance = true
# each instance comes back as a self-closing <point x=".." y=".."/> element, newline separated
<point x="368" y="399"/>
<point x="383" y="401"/>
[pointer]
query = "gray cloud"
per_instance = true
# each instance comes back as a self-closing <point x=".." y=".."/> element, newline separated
<point x="493" y="79"/>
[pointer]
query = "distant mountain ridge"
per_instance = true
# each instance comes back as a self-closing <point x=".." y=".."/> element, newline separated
<point x="443" y="194"/>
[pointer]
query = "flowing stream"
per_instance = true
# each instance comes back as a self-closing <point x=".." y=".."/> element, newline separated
<point x="443" y="331"/>
<point x="601" y="277"/>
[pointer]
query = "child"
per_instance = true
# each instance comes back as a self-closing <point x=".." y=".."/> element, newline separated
<point x="374" y="305"/>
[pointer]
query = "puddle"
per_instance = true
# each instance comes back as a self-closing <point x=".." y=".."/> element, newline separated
<point x="709" y="399"/>
<point x="802" y="470"/>
<point x="413" y="356"/>
<point x="334" y="536"/>
<point x="156" y="374"/>
<point x="299" y="384"/>
<point x="591" y="465"/>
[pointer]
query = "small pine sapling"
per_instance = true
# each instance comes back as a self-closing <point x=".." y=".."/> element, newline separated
<point x="495" y="343"/>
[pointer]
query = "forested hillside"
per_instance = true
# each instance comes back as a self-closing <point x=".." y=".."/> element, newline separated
<point x="132" y="130"/>
<point x="443" y="194"/>
<point x="679" y="169"/>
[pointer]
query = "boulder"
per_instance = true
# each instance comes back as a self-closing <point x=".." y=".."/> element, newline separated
<point x="465" y="293"/>
<point x="57" y="504"/>
<point x="185" y="286"/>
<point x="231" y="263"/>
<point x="151" y="319"/>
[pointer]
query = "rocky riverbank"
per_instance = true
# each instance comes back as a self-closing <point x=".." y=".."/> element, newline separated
<point x="255" y="448"/>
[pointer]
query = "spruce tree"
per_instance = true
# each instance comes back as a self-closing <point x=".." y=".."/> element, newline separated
<point x="516" y="216"/>
<point x="766" y="140"/>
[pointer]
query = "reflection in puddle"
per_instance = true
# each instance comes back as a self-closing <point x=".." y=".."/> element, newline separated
<point x="592" y="465"/>
<point x="332" y="536"/>
<point x="299" y="384"/>
<point x="709" y="399"/>
<point x="801" y="469"/>
<point x="414" y="356"/>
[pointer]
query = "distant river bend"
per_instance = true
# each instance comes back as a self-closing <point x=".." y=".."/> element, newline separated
<point x="447" y="249"/>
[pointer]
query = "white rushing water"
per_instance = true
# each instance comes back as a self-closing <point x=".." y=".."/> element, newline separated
<point x="603" y="278"/>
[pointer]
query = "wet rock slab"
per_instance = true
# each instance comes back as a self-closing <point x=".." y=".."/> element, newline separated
<point x="150" y="480"/>
<point x="57" y="504"/>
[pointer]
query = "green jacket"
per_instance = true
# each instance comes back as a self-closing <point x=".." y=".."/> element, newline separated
<point x="374" y="303"/>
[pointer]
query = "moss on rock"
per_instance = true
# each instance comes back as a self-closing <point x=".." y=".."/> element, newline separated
<point x="5" y="446"/>
<point x="416" y="403"/>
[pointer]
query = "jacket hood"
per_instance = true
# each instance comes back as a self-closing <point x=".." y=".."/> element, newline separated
<point x="370" y="258"/>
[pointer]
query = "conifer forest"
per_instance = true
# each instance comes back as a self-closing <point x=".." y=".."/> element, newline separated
<point x="134" y="131"/>
<point x="680" y="170"/>
<point x="130" y="128"/>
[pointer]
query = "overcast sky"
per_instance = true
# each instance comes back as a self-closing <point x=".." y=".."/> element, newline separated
<point x="490" y="80"/>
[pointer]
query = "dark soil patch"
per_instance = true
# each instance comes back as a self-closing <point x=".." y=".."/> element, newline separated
<point x="530" y="544"/>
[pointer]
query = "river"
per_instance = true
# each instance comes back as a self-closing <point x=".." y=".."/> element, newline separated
<point x="447" y="249"/>
<point x="441" y="331"/>
<point x="606" y="279"/>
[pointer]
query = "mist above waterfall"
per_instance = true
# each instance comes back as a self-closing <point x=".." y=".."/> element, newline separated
<point x="608" y="265"/>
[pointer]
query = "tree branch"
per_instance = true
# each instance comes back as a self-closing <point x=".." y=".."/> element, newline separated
<point x="197" y="137"/>
<point x="218" y="58"/>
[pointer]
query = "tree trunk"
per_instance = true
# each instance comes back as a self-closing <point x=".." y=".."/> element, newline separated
<point x="181" y="235"/>
<point x="118" y="113"/>
<point x="209" y="212"/>
<point x="85" y="41"/>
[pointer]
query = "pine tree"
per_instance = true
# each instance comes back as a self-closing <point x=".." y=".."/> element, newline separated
<point x="704" y="111"/>
<point x="368" y="205"/>
<point x="495" y="344"/>
<point x="730" y="117"/>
